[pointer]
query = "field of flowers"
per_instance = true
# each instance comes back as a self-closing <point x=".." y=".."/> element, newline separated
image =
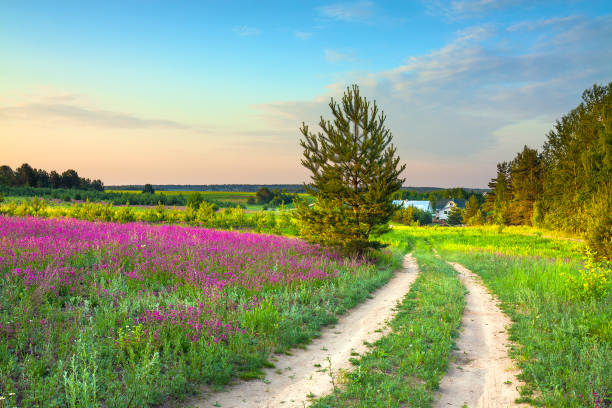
<point x="135" y="314"/>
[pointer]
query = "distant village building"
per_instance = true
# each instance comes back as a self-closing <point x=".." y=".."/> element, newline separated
<point x="444" y="207"/>
<point x="421" y="205"/>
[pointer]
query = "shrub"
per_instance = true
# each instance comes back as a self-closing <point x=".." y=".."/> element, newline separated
<point x="593" y="280"/>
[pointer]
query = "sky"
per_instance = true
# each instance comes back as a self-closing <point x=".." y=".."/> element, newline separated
<point x="179" y="92"/>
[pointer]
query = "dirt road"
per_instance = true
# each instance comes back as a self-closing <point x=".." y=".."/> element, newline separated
<point x="480" y="373"/>
<point x="303" y="374"/>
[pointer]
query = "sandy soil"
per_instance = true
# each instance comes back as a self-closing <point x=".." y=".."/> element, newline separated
<point x="480" y="373"/>
<point x="298" y="376"/>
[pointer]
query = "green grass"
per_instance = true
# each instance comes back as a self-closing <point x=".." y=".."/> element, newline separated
<point x="131" y="370"/>
<point x="558" y="336"/>
<point x="236" y="197"/>
<point x="405" y="367"/>
<point x="564" y="342"/>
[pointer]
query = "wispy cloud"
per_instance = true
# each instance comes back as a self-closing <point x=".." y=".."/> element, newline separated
<point x="303" y="35"/>
<point x="538" y="24"/>
<point x="463" y="104"/>
<point x="246" y="31"/>
<point x="355" y="11"/>
<point x="87" y="116"/>
<point x="336" y="56"/>
<point x="460" y="9"/>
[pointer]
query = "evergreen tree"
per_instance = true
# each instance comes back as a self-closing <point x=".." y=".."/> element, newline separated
<point x="455" y="217"/>
<point x="498" y="199"/>
<point x="526" y="181"/>
<point x="354" y="172"/>
<point x="471" y="208"/>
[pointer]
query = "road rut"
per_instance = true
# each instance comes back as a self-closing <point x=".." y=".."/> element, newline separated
<point x="482" y="374"/>
<point x="301" y="375"/>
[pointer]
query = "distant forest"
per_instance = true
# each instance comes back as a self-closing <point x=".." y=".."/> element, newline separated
<point x="405" y="192"/>
<point x="567" y="185"/>
<point x="27" y="176"/>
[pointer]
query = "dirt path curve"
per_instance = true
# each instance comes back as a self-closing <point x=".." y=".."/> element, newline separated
<point x="300" y="375"/>
<point x="480" y="373"/>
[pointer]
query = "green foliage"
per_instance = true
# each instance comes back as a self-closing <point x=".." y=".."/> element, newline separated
<point x="25" y="175"/>
<point x="262" y="319"/>
<point x="558" y="334"/>
<point x="476" y="219"/>
<point x="599" y="222"/>
<point x="264" y="195"/>
<point x="148" y="189"/>
<point x="472" y="214"/>
<point x="455" y="216"/>
<point x="112" y="364"/>
<point x="80" y="385"/>
<point x="207" y="215"/>
<point x="354" y="171"/>
<point x="593" y="281"/>
<point x="566" y="186"/>
<point x="412" y="215"/>
<point x="405" y="367"/>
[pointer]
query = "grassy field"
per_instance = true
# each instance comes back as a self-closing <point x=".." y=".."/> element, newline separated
<point x="559" y="301"/>
<point x="560" y="305"/>
<point x="120" y="315"/>
<point x="238" y="197"/>
<point x="221" y="196"/>
<point x="405" y="367"/>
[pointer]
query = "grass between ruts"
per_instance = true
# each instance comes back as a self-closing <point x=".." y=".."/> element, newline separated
<point x="404" y="368"/>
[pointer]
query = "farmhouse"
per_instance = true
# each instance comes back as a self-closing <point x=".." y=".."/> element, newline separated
<point x="444" y="207"/>
<point x="421" y="205"/>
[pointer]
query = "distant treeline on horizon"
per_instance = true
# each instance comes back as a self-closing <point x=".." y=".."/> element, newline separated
<point x="27" y="176"/>
<point x="292" y="188"/>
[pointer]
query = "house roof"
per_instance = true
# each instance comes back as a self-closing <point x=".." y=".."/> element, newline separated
<point x="421" y="205"/>
<point x="459" y="202"/>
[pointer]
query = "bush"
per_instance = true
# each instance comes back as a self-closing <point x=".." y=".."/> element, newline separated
<point x="411" y="216"/>
<point x="592" y="281"/>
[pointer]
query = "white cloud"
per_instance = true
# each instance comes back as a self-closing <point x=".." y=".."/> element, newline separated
<point x="473" y="102"/>
<point x="84" y="115"/>
<point x="246" y="31"/>
<point x="356" y="11"/>
<point x="538" y="24"/>
<point x="302" y="35"/>
<point x="460" y="9"/>
<point x="336" y="56"/>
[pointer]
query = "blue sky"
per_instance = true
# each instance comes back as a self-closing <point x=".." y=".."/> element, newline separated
<point x="194" y="92"/>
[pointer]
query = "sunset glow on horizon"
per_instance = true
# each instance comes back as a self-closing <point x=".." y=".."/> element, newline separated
<point x="191" y="93"/>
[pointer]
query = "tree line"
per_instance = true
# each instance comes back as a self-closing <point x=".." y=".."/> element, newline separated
<point x="567" y="185"/>
<point x="27" y="176"/>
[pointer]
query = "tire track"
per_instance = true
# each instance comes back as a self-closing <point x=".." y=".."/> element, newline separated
<point x="301" y="375"/>
<point x="482" y="374"/>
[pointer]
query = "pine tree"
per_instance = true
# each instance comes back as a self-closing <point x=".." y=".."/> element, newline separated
<point x="455" y="217"/>
<point x="471" y="208"/>
<point x="354" y="171"/>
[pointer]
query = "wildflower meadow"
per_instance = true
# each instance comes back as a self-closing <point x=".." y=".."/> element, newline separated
<point x="134" y="314"/>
